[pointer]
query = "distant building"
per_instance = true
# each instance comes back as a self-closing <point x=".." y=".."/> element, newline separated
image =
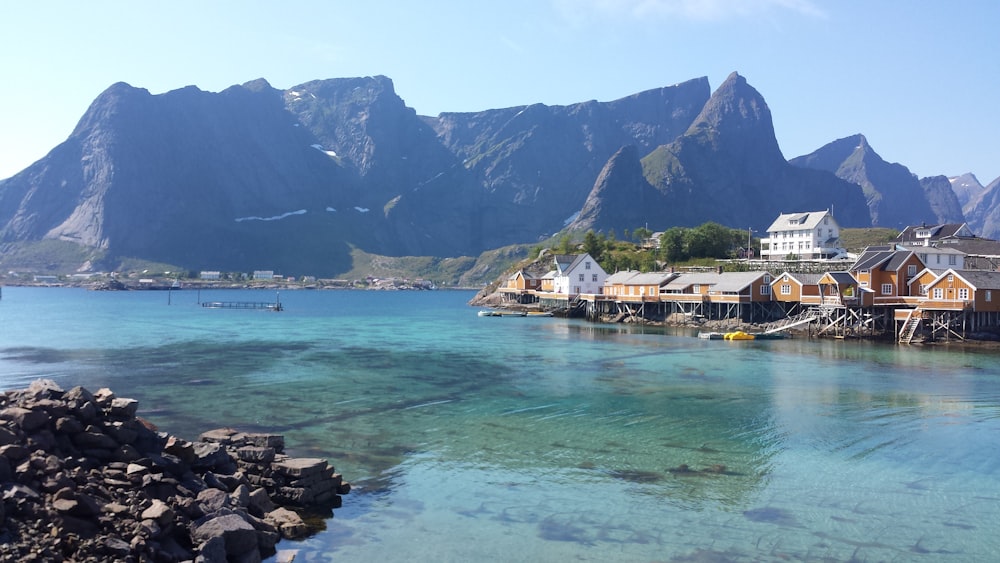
<point x="263" y="274"/>
<point x="929" y="234"/>
<point x="812" y="235"/>
<point x="210" y="275"/>
<point x="577" y="274"/>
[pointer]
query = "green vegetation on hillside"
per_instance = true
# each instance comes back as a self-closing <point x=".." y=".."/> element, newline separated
<point x="856" y="240"/>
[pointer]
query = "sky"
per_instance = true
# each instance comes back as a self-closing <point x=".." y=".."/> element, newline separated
<point x="918" y="78"/>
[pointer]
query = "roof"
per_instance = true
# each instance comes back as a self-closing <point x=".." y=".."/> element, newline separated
<point x="936" y="249"/>
<point x="979" y="279"/>
<point x="734" y="282"/>
<point x="568" y="262"/>
<point x="621" y="277"/>
<point x="652" y="278"/>
<point x="842" y="278"/>
<point x="803" y="279"/>
<point x="798" y="221"/>
<point x="974" y="247"/>
<point x="875" y="257"/>
<point x="687" y="279"/>
<point x="944" y="230"/>
<point x="522" y="273"/>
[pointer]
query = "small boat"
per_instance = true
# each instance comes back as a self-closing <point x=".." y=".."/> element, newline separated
<point x="540" y="313"/>
<point x="711" y="335"/>
<point x="738" y="335"/>
<point x="489" y="313"/>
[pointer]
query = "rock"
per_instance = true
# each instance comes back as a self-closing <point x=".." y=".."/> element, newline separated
<point x="84" y="479"/>
<point x="239" y="536"/>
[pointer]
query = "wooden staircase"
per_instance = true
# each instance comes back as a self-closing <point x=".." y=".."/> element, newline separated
<point x="910" y="327"/>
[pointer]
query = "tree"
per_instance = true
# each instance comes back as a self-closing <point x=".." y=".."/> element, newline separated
<point x="566" y="245"/>
<point x="592" y="245"/>
<point x="709" y="240"/>
<point x="642" y="234"/>
<point x="672" y="245"/>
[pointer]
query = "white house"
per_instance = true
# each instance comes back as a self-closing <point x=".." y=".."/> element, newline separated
<point x="937" y="256"/>
<point x="811" y="235"/>
<point x="578" y="273"/>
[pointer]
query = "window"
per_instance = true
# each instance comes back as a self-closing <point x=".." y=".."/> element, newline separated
<point x="696" y="288"/>
<point x="987" y="296"/>
<point x="951" y="277"/>
<point x="786" y="289"/>
<point x="963" y="293"/>
<point x="887" y="289"/>
<point x="951" y="260"/>
<point x="937" y="258"/>
<point x="586" y="265"/>
<point x="767" y="278"/>
<point x="593" y="277"/>
<point x="581" y="277"/>
<point x="938" y="293"/>
<point x="765" y="289"/>
<point x="911" y="270"/>
<point x="923" y="258"/>
<point x="923" y="289"/>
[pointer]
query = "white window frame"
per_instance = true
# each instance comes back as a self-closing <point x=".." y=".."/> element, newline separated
<point x="786" y="289"/>
<point x="887" y="289"/>
<point x="938" y="293"/>
<point x="963" y="294"/>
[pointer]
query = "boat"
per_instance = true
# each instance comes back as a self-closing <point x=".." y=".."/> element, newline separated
<point x="711" y="335"/>
<point x="738" y="335"/>
<point x="490" y="313"/>
<point x="540" y="313"/>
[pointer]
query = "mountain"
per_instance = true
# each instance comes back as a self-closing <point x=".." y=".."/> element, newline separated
<point x="942" y="199"/>
<point x="895" y="197"/>
<point x="966" y="188"/>
<point x="983" y="211"/>
<point x="294" y="180"/>
<point x="535" y="164"/>
<point x="304" y="180"/>
<point x="726" y="168"/>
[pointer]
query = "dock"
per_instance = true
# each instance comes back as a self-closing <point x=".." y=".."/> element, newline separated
<point x="259" y="305"/>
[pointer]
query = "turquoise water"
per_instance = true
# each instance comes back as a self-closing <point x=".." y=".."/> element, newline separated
<point x="543" y="439"/>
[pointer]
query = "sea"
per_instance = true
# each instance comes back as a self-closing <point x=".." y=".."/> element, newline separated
<point x="472" y="438"/>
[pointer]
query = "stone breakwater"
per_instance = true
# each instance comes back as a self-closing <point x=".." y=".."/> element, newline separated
<point x="84" y="479"/>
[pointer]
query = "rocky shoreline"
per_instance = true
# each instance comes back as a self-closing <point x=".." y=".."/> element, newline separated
<point x="84" y="479"/>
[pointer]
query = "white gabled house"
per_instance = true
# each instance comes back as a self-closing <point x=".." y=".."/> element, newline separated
<point x="577" y="274"/>
<point x="812" y="235"/>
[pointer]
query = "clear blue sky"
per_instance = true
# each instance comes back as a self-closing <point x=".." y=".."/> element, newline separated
<point x="918" y="78"/>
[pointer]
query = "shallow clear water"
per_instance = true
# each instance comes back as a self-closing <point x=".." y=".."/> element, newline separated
<point x="528" y="439"/>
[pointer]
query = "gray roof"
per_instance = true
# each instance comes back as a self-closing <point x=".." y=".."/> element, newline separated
<point x="804" y="279"/>
<point x="843" y="278"/>
<point x="797" y="221"/>
<point x="687" y="279"/>
<point x="621" y="277"/>
<point x="979" y="279"/>
<point x="652" y="278"/>
<point x="734" y="282"/>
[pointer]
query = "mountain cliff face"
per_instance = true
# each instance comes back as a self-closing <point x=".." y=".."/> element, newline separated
<point x="966" y="188"/>
<point x="942" y="199"/>
<point x="293" y="180"/>
<point x="894" y="196"/>
<point x="726" y="168"/>
<point x="983" y="211"/>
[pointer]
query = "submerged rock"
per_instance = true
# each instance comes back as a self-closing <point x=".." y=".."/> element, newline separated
<point x="83" y="478"/>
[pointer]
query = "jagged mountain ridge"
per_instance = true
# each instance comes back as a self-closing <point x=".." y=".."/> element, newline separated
<point x="886" y="186"/>
<point x="727" y="167"/>
<point x="254" y="177"/>
<point x="983" y="211"/>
